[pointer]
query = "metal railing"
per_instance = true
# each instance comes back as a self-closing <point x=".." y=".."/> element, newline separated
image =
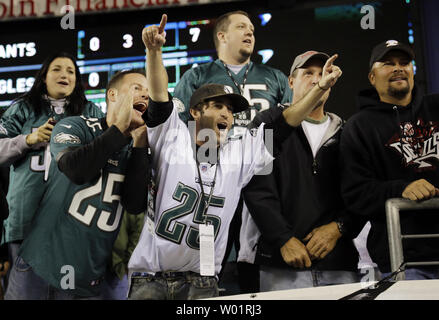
<point x="393" y="208"/>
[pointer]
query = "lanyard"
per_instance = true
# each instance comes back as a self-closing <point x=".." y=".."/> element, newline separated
<point x="233" y="79"/>
<point x="207" y="203"/>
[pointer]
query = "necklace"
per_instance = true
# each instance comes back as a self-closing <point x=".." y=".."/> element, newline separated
<point x="233" y="79"/>
<point x="206" y="202"/>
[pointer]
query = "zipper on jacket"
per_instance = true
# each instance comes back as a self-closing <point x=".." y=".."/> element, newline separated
<point x="322" y="143"/>
<point x="314" y="166"/>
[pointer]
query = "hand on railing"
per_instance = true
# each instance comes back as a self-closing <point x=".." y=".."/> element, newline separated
<point x="420" y="190"/>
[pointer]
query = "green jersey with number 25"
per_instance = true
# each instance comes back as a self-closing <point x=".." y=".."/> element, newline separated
<point x="76" y="225"/>
<point x="26" y="186"/>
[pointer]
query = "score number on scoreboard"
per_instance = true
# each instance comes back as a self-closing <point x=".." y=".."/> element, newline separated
<point x="103" y="52"/>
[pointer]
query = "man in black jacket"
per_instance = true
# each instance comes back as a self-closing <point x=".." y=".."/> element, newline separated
<point x="306" y="232"/>
<point x="389" y="150"/>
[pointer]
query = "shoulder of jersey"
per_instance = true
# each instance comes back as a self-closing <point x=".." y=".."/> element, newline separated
<point x="19" y="106"/>
<point x="79" y="121"/>
<point x="266" y="68"/>
<point x="205" y="66"/>
<point x="178" y="104"/>
<point x="93" y="124"/>
<point x="89" y="119"/>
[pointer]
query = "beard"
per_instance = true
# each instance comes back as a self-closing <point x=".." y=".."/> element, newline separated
<point x="398" y="93"/>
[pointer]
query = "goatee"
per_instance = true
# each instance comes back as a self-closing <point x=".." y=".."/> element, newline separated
<point x="399" y="93"/>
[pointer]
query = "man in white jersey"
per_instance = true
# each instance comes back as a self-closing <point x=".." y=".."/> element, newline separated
<point x="306" y="230"/>
<point x="263" y="86"/>
<point x="199" y="176"/>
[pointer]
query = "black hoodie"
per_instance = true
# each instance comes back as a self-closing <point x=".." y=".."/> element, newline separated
<point x="374" y="169"/>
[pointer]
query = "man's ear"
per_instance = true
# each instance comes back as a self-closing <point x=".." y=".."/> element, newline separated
<point x="221" y="36"/>
<point x="291" y="81"/>
<point x="195" y="113"/>
<point x="112" y="94"/>
<point x="371" y="77"/>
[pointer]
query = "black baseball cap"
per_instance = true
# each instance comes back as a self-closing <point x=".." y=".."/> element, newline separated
<point x="214" y="90"/>
<point x="303" y="58"/>
<point x="384" y="47"/>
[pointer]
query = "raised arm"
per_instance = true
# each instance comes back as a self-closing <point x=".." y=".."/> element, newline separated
<point x="154" y="37"/>
<point x="298" y="111"/>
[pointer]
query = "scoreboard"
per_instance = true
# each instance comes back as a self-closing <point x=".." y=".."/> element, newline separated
<point x="110" y="43"/>
<point x="100" y="53"/>
<point x="105" y="51"/>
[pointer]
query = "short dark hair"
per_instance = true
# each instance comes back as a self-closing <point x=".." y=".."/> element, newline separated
<point x="199" y="107"/>
<point x="76" y="100"/>
<point x="223" y="22"/>
<point x="117" y="78"/>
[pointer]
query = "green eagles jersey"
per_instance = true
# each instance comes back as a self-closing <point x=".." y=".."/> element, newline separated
<point x="76" y="225"/>
<point x="264" y="87"/>
<point x="27" y="184"/>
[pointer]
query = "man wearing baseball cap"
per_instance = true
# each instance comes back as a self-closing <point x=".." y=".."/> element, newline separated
<point x="306" y="232"/>
<point x="184" y="241"/>
<point x="388" y="150"/>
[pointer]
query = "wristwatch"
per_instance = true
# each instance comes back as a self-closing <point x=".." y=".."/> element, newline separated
<point x="340" y="226"/>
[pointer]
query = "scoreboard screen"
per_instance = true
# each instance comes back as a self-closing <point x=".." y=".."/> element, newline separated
<point x="101" y="52"/>
<point x="104" y="51"/>
<point x="106" y="43"/>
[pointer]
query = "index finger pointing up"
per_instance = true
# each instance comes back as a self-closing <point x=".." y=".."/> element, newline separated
<point x="331" y="60"/>
<point x="163" y="23"/>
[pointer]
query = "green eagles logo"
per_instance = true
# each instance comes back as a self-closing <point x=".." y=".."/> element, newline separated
<point x="66" y="138"/>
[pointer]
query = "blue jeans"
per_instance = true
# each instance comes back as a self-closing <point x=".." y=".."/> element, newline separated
<point x="114" y="288"/>
<point x="172" y="286"/>
<point x="272" y="278"/>
<point x="13" y="248"/>
<point x="25" y="284"/>
<point x="418" y="273"/>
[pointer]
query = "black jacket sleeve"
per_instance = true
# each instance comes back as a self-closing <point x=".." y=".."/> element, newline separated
<point x="83" y="164"/>
<point x="262" y="199"/>
<point x="157" y="112"/>
<point x="137" y="177"/>
<point x="352" y="224"/>
<point x="275" y="121"/>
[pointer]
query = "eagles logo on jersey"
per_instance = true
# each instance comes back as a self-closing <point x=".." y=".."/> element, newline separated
<point x="66" y="138"/>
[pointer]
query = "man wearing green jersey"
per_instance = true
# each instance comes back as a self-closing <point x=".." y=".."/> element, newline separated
<point x="261" y="85"/>
<point x="66" y="252"/>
